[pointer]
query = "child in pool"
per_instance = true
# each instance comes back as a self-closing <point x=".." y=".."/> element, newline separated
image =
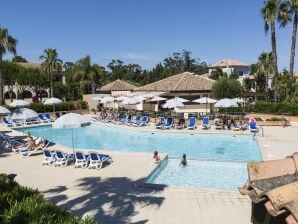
<point x="156" y="157"/>
<point x="183" y="160"/>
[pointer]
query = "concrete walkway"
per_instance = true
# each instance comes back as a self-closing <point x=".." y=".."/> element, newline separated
<point x="113" y="195"/>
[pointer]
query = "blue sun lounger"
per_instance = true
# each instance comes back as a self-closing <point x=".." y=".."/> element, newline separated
<point x="205" y="123"/>
<point x="192" y="123"/>
<point x="136" y="122"/>
<point x="48" y="116"/>
<point x="63" y="159"/>
<point x="7" y="122"/>
<point x="253" y="126"/>
<point x="121" y="120"/>
<point x="57" y="115"/>
<point x="144" y="121"/>
<point x="81" y="160"/>
<point x="42" y="118"/>
<point x="169" y="123"/>
<point x="96" y="160"/>
<point x="49" y="158"/>
<point x="161" y="123"/>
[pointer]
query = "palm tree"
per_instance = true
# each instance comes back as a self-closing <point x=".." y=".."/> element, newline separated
<point x="265" y="66"/>
<point x="7" y="43"/>
<point x="87" y="74"/>
<point x="51" y="63"/>
<point x="293" y="14"/>
<point x="270" y="15"/>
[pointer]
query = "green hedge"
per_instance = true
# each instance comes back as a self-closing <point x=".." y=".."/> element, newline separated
<point x="267" y="107"/>
<point x="65" y="106"/>
<point x="24" y="205"/>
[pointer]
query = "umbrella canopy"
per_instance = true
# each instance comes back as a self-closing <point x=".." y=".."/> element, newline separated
<point x="205" y="100"/>
<point x="71" y="120"/>
<point x="97" y="98"/>
<point x="173" y="103"/>
<point x="181" y="99"/>
<point x="19" y="103"/>
<point x="107" y="99"/>
<point x="238" y="100"/>
<point x="130" y="101"/>
<point x="139" y="98"/>
<point x="121" y="98"/>
<point x="52" y="101"/>
<point x="4" y="110"/>
<point x="157" y="99"/>
<point x="24" y="114"/>
<point x="225" y="103"/>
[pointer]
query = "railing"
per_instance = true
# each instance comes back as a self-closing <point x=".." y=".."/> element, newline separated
<point x="262" y="130"/>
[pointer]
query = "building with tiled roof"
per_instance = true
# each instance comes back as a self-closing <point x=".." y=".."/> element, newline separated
<point x="117" y="85"/>
<point x="232" y="66"/>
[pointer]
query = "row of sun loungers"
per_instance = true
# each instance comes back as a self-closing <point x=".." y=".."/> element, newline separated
<point x="59" y="158"/>
<point x="167" y="123"/>
<point x="42" y="118"/>
<point x="124" y="120"/>
<point x="90" y="160"/>
<point x="192" y="124"/>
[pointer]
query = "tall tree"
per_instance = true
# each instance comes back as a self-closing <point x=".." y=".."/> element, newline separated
<point x="270" y="15"/>
<point x="51" y="63"/>
<point x="265" y="66"/>
<point x="84" y="73"/>
<point x="10" y="73"/>
<point x="18" y="58"/>
<point x="294" y="10"/>
<point x="288" y="11"/>
<point x="7" y="44"/>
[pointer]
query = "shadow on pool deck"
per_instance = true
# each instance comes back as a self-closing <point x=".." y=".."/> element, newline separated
<point x="112" y="200"/>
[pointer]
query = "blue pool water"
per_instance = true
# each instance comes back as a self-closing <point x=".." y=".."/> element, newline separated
<point x="216" y="161"/>
<point x="201" y="174"/>
<point x="209" y="146"/>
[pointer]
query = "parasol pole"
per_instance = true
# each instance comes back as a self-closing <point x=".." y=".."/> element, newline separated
<point x="72" y="140"/>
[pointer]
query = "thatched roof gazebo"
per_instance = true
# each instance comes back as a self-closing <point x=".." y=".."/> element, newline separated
<point x="185" y="82"/>
<point x="117" y="85"/>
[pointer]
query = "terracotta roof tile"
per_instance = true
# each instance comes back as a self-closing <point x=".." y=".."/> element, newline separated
<point x="117" y="85"/>
<point x="183" y="82"/>
<point x="228" y="63"/>
<point x="275" y="182"/>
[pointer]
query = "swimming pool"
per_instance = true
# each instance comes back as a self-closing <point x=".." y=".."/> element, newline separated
<point x="216" y="161"/>
<point x="208" y="146"/>
<point x="201" y="174"/>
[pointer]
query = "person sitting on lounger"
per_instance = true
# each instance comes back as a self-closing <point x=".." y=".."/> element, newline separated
<point x="183" y="160"/>
<point x="30" y="143"/>
<point x="181" y="123"/>
<point x="156" y="157"/>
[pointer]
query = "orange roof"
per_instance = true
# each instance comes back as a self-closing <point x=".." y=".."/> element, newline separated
<point x="117" y="85"/>
<point x="275" y="182"/>
<point x="228" y="63"/>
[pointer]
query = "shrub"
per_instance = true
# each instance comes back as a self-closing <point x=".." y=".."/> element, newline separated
<point x="65" y="106"/>
<point x="266" y="107"/>
<point x="23" y="205"/>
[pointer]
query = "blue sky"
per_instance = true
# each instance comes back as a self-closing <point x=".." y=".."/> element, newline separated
<point x="141" y="31"/>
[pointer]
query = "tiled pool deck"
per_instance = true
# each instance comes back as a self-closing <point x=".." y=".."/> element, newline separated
<point x="113" y="194"/>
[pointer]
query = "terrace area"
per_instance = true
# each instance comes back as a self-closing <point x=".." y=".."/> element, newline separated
<point x="115" y="194"/>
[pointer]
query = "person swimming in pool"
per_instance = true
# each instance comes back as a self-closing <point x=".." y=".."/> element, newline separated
<point x="156" y="157"/>
<point x="183" y="161"/>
